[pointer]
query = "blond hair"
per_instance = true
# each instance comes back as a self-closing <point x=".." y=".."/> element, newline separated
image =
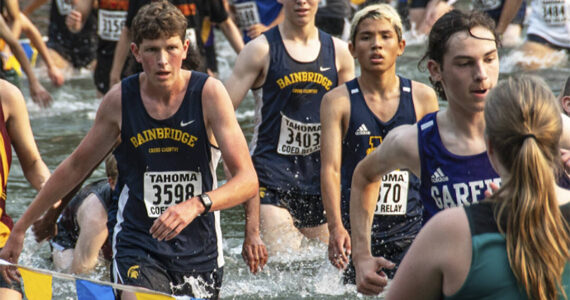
<point x="524" y="127"/>
<point x="376" y="12"/>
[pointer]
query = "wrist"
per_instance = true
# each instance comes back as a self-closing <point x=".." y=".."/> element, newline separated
<point x="206" y="203"/>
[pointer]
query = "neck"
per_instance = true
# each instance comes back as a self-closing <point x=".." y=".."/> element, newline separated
<point x="382" y="83"/>
<point x="295" y="32"/>
<point x="468" y="124"/>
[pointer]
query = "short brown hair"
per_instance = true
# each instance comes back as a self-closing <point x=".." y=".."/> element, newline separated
<point x="158" y="20"/>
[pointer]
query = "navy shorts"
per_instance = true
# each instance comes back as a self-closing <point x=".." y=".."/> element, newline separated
<point x="150" y="273"/>
<point x="538" y="39"/>
<point x="306" y="210"/>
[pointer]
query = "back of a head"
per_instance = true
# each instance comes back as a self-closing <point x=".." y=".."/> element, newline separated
<point x="156" y="20"/>
<point x="444" y="28"/>
<point x="376" y="12"/>
<point x="566" y="88"/>
<point x="523" y="126"/>
<point x="111" y="167"/>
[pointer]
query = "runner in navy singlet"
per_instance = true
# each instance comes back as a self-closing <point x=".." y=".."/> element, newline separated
<point x="289" y="68"/>
<point x="356" y="118"/>
<point x="172" y="125"/>
<point x="445" y="149"/>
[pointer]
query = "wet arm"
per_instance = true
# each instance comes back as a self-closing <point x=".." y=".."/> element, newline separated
<point x="509" y="12"/>
<point x="33" y="6"/>
<point x="247" y="70"/>
<point x="335" y="111"/>
<point x="120" y="56"/>
<point x="232" y="33"/>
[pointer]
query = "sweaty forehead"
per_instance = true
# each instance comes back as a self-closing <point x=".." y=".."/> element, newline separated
<point x="479" y="42"/>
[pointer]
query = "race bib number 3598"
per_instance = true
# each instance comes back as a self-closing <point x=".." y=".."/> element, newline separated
<point x="393" y="199"/>
<point x="297" y="138"/>
<point x="165" y="189"/>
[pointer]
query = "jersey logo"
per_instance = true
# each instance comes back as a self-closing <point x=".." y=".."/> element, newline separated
<point x="354" y="91"/>
<point x="362" y="130"/>
<point x="438" y="176"/>
<point x="323" y="69"/>
<point x="406" y="89"/>
<point x="133" y="272"/>
<point x="184" y="124"/>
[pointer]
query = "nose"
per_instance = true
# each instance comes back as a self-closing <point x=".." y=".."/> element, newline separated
<point x="480" y="71"/>
<point x="162" y="57"/>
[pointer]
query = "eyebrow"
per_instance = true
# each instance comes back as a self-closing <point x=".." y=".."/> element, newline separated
<point x="470" y="57"/>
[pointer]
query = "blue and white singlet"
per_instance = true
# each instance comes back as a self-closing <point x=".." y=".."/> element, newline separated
<point x="398" y="212"/>
<point x="287" y="139"/>
<point x="162" y="163"/>
<point x="449" y="180"/>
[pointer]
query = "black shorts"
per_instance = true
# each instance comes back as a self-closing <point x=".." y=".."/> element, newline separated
<point x="79" y="57"/>
<point x="306" y="210"/>
<point x="392" y="251"/>
<point x="538" y="39"/>
<point x="150" y="273"/>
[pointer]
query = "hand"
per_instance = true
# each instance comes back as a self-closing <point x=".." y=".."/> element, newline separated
<point x="73" y="21"/>
<point x="494" y="188"/>
<point x="339" y="247"/>
<point x="40" y="95"/>
<point x="11" y="253"/>
<point x="55" y="76"/>
<point x="370" y="279"/>
<point x="175" y="219"/>
<point x="44" y="229"/>
<point x="255" y="30"/>
<point x="254" y="252"/>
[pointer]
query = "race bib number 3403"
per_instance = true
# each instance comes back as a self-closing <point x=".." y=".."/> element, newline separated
<point x="393" y="198"/>
<point x="297" y="138"/>
<point x="165" y="189"/>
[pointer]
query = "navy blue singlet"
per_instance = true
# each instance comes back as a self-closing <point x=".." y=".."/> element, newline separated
<point x="286" y="142"/>
<point x="449" y="180"/>
<point x="162" y="163"/>
<point x="396" y="217"/>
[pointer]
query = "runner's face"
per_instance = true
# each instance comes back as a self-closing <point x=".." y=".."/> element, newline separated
<point x="376" y="45"/>
<point x="300" y="12"/>
<point x="470" y="68"/>
<point x="161" y="58"/>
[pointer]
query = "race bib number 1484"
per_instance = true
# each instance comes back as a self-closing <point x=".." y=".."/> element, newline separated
<point x="165" y="189"/>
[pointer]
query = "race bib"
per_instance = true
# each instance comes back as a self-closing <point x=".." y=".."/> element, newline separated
<point x="486" y="4"/>
<point x="554" y="12"/>
<point x="165" y="189"/>
<point x="64" y="7"/>
<point x="110" y="24"/>
<point x="246" y="14"/>
<point x="393" y="198"/>
<point x="297" y="138"/>
<point x="191" y="36"/>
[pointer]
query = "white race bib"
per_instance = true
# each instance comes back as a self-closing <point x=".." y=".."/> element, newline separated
<point x="393" y="198"/>
<point x="165" y="189"/>
<point x="110" y="24"/>
<point x="246" y="14"/>
<point x="297" y="138"/>
<point x="191" y="36"/>
<point x="64" y="7"/>
<point x="554" y="12"/>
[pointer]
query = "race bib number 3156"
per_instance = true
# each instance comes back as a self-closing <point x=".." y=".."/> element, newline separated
<point x="297" y="138"/>
<point x="393" y="199"/>
<point x="165" y="189"/>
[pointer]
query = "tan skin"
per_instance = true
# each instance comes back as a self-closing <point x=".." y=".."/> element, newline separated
<point x="381" y="89"/>
<point x="471" y="70"/>
<point x="301" y="42"/>
<point x="20" y="132"/>
<point x="163" y="85"/>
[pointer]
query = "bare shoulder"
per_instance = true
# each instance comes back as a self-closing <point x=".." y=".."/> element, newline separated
<point x="340" y="46"/>
<point x="335" y="102"/>
<point x="110" y="107"/>
<point x="422" y="90"/>
<point x="12" y="99"/>
<point x="255" y="50"/>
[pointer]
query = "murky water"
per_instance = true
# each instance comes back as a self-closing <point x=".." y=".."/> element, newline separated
<point x="59" y="129"/>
